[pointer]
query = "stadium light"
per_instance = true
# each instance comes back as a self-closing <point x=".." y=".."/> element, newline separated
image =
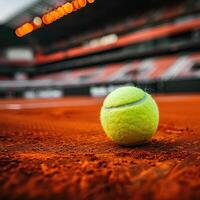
<point x="51" y="17"/>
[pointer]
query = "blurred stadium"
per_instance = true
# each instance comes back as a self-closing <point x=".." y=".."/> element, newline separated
<point x="59" y="59"/>
<point x="153" y="45"/>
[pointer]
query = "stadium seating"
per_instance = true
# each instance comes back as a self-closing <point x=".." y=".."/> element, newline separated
<point x="166" y="67"/>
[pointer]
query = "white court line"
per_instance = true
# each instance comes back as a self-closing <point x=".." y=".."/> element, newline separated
<point x="46" y="105"/>
<point x="57" y="104"/>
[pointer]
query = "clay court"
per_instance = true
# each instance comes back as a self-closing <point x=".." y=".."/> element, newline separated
<point x="56" y="149"/>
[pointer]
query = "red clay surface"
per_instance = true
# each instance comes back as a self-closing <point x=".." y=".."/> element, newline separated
<point x="61" y="152"/>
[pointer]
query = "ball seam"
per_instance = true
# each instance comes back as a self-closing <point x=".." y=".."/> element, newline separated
<point x="128" y="104"/>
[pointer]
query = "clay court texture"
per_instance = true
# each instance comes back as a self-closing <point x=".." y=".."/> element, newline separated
<point x="56" y="149"/>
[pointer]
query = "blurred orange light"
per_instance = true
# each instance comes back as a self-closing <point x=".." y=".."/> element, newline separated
<point x="91" y="1"/>
<point x="61" y="11"/>
<point x="24" y="29"/>
<point x="18" y="32"/>
<point x="51" y="17"/>
<point x="46" y="19"/>
<point x="82" y="3"/>
<point x="68" y="8"/>
<point x="27" y="27"/>
<point x="55" y="15"/>
<point x="75" y="5"/>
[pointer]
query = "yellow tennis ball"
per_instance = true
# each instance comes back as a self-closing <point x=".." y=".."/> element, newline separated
<point x="129" y="116"/>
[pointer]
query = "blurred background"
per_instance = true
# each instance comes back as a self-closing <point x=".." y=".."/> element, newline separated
<point x="152" y="44"/>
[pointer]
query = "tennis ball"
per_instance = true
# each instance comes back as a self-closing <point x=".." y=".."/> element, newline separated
<point x="129" y="116"/>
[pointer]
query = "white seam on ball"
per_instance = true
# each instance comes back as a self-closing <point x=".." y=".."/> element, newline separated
<point x="129" y="104"/>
